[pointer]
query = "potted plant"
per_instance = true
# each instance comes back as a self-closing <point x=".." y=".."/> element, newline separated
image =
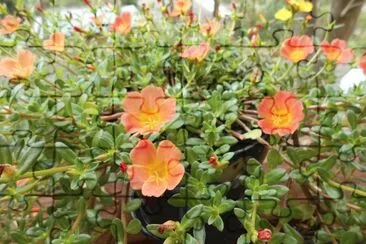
<point x="184" y="131"/>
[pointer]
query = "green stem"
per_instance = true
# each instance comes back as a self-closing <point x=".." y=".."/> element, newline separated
<point x="286" y="73"/>
<point x="40" y="173"/>
<point x="346" y="188"/>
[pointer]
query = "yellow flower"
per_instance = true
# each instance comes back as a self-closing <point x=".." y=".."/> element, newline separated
<point x="283" y="14"/>
<point x="301" y="5"/>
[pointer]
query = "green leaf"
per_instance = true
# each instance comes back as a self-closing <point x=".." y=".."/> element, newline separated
<point x="132" y="205"/>
<point x="292" y="232"/>
<point x="275" y="176"/>
<point x="5" y="153"/>
<point x="117" y="230"/>
<point x="194" y="212"/>
<point x="352" y="119"/>
<point x="200" y="234"/>
<point x="348" y="238"/>
<point x="298" y="155"/>
<point x="274" y="158"/>
<point x="189" y="239"/>
<point x="103" y="139"/>
<point x="240" y="213"/>
<point x="253" y="134"/>
<point x="134" y="226"/>
<point x="227" y="140"/>
<point x="65" y="152"/>
<point x="29" y="156"/>
<point x="219" y="223"/>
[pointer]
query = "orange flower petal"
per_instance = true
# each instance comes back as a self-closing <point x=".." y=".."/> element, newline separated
<point x="130" y="123"/>
<point x="281" y="113"/>
<point x="56" y="42"/>
<point x="154" y="187"/>
<point x="133" y="103"/>
<point x="122" y="23"/>
<point x="151" y="95"/>
<point x="167" y="152"/>
<point x="167" y="109"/>
<point x="362" y="63"/>
<point x="337" y="51"/>
<point x="176" y="172"/>
<point x="265" y="107"/>
<point x="9" y="24"/>
<point x="26" y="58"/>
<point x="148" y="111"/>
<point x="7" y="67"/>
<point x="137" y="175"/>
<point x="143" y="153"/>
<point x="297" y="48"/>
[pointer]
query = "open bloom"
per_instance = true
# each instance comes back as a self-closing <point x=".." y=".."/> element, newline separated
<point x="295" y="6"/>
<point x="20" y="67"/>
<point x="155" y="170"/>
<point x="337" y="51"/>
<point x="210" y="28"/>
<point x="148" y="111"/>
<point x="181" y="7"/>
<point x="362" y="63"/>
<point x="9" y="24"/>
<point x="122" y="23"/>
<point x="56" y="42"/>
<point x="297" y="48"/>
<point x="196" y="53"/>
<point x="281" y="114"/>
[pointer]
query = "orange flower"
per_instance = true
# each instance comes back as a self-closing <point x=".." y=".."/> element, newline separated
<point x="297" y="48"/>
<point x="210" y="28"/>
<point x="155" y="170"/>
<point x="56" y="42"/>
<point x="196" y="52"/>
<point x="181" y="7"/>
<point x="362" y="63"/>
<point x="281" y="114"/>
<point x="122" y="23"/>
<point x="20" y="67"/>
<point x="148" y="111"/>
<point x="337" y="51"/>
<point x="9" y="24"/>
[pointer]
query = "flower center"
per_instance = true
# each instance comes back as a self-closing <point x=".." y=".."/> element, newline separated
<point x="281" y="120"/>
<point x="297" y="54"/>
<point x="150" y="121"/>
<point x="158" y="170"/>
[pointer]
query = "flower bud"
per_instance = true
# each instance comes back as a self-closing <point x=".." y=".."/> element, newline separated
<point x="123" y="167"/>
<point x="264" y="234"/>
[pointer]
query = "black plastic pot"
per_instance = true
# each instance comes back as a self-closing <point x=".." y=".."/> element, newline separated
<point x="158" y="210"/>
